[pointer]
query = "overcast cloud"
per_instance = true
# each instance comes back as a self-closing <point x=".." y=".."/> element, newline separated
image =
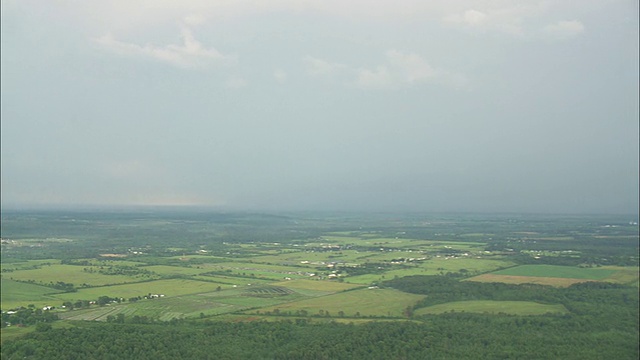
<point x="488" y="106"/>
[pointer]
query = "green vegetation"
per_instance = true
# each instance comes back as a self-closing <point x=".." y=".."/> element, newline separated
<point x="364" y="302"/>
<point x="412" y="286"/>
<point x="15" y="294"/>
<point x="558" y="272"/>
<point x="494" y="307"/>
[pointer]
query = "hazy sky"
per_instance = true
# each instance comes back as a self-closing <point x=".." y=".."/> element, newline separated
<point x="492" y="106"/>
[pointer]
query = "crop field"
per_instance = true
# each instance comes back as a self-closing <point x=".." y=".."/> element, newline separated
<point x="223" y="280"/>
<point x="494" y="307"/>
<point x="249" y="268"/>
<point x="562" y="276"/>
<point x="163" y="309"/>
<point x="169" y="287"/>
<point x="364" y="302"/>
<point x="558" y="272"/>
<point x="71" y="274"/>
<point x="510" y="279"/>
<point x="312" y="258"/>
<point x="317" y="285"/>
<point x="624" y="275"/>
<point x="15" y="293"/>
<point x="433" y="266"/>
<point x="174" y="270"/>
<point x="205" y="303"/>
<point x="23" y="265"/>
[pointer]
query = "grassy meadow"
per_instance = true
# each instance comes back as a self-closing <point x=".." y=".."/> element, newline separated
<point x="557" y="272"/>
<point x="494" y="307"/>
<point x="15" y="294"/>
<point x="356" y="303"/>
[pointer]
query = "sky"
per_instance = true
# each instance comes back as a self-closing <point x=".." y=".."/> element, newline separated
<point x="361" y="105"/>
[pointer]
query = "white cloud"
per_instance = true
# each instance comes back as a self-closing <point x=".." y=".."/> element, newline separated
<point x="190" y="54"/>
<point x="405" y="69"/>
<point x="319" y="67"/>
<point x="564" y="29"/>
<point x="378" y="78"/>
<point x="280" y="76"/>
<point x="411" y="67"/>
<point x="509" y="18"/>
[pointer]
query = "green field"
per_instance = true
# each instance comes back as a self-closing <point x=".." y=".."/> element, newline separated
<point x="71" y="274"/>
<point x="205" y="303"/>
<point x="494" y="307"/>
<point x="173" y="270"/>
<point x="432" y="266"/>
<point x="169" y="287"/>
<point x="558" y="272"/>
<point x="317" y="285"/>
<point x="364" y="302"/>
<point x="624" y="275"/>
<point x="162" y="309"/>
<point x="15" y="294"/>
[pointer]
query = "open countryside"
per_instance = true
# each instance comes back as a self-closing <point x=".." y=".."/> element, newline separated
<point x="372" y="272"/>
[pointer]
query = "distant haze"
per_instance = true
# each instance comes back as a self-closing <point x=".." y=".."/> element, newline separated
<point x="480" y="106"/>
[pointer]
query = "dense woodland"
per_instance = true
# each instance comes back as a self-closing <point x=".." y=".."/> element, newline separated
<point x="447" y="336"/>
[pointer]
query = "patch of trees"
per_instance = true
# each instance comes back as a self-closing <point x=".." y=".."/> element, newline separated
<point x="58" y="285"/>
<point x="448" y="336"/>
<point x="605" y="305"/>
<point x="366" y="268"/>
<point x="101" y="301"/>
<point x="125" y="270"/>
<point x="27" y="316"/>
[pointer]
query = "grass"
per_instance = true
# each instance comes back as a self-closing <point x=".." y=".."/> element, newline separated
<point x="494" y="307"/>
<point x="70" y="274"/>
<point x="623" y="275"/>
<point x="557" y="272"/>
<point x="433" y="266"/>
<point x="553" y="275"/>
<point x="510" y="279"/>
<point x="13" y="332"/>
<point x="174" y="270"/>
<point x="169" y="287"/>
<point x="184" y="306"/>
<point x="15" y="294"/>
<point x="366" y="302"/>
<point x="318" y="285"/>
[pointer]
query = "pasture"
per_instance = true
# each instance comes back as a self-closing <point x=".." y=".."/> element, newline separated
<point x="15" y="294"/>
<point x="163" y="309"/>
<point x="356" y="303"/>
<point x="562" y="276"/>
<point x="494" y="307"/>
<point x="195" y="304"/>
<point x="76" y="275"/>
<point x="557" y="272"/>
<point x="510" y="279"/>
<point x="169" y="287"/>
<point x="317" y="285"/>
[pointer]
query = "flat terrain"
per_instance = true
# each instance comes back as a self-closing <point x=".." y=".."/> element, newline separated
<point x="357" y="303"/>
<point x="15" y="294"/>
<point x="486" y="306"/>
<point x="560" y="275"/>
<point x="558" y="272"/>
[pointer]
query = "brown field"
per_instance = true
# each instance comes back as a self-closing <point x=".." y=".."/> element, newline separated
<point x="512" y="279"/>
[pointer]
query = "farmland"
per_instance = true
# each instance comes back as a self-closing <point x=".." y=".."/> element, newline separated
<point x="559" y="275"/>
<point x="485" y="306"/>
<point x="137" y="272"/>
